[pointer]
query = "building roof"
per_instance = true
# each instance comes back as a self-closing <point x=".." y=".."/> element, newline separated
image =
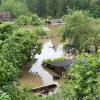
<point x="65" y="64"/>
<point x="56" y="21"/>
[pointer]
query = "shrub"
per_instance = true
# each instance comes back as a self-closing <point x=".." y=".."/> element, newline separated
<point x="23" y="20"/>
<point x="35" y="20"/>
<point x="8" y="72"/>
<point x="6" y="30"/>
<point x="50" y="18"/>
<point x="81" y="33"/>
<point x="41" y="32"/>
<point x="83" y="79"/>
<point x="4" y="96"/>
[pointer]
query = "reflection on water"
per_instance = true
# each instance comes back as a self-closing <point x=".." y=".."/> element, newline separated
<point x="47" y="52"/>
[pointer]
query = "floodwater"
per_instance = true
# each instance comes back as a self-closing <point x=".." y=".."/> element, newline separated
<point x="47" y="52"/>
<point x="45" y="75"/>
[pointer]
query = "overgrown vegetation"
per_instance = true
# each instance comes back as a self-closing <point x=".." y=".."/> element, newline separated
<point x="82" y="79"/>
<point x="81" y="33"/>
<point x="54" y="8"/>
<point x="45" y="62"/>
<point x="19" y="44"/>
<point x="16" y="47"/>
<point x="23" y="20"/>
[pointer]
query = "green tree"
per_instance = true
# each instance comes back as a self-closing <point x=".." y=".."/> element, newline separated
<point x="40" y="7"/>
<point x="16" y="49"/>
<point x="23" y="20"/>
<point x="52" y="8"/>
<point x="78" y="30"/>
<point x="15" y="7"/>
<point x="95" y="8"/>
<point x="30" y="4"/>
<point x="16" y="46"/>
<point x="35" y="20"/>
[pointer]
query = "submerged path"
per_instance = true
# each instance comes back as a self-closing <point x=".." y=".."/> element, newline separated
<point x="47" y="52"/>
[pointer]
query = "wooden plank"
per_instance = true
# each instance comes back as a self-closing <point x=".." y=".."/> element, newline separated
<point x="44" y="88"/>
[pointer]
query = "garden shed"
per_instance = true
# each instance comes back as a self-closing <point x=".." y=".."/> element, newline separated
<point x="60" y="67"/>
<point x="56" y="22"/>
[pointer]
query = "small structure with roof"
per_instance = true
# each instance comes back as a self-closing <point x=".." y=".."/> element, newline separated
<point x="60" y="67"/>
<point x="56" y="22"/>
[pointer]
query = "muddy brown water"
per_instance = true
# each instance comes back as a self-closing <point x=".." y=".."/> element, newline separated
<point x="29" y="79"/>
<point x="34" y="80"/>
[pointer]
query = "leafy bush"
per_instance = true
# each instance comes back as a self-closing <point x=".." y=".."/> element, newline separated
<point x="50" y="18"/>
<point x="16" y="46"/>
<point x="4" y="96"/>
<point x="20" y="46"/>
<point x="45" y="62"/>
<point x="23" y="20"/>
<point x="6" y="30"/>
<point x="35" y="20"/>
<point x="15" y="49"/>
<point x="8" y="72"/>
<point x="41" y="32"/>
<point x="81" y="33"/>
<point x="83" y="79"/>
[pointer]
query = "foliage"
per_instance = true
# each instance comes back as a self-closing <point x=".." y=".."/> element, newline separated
<point x="54" y="8"/>
<point x="15" y="7"/>
<point x="50" y="18"/>
<point x="16" y="94"/>
<point x="8" y="72"/>
<point x="81" y="33"/>
<point x="40" y="7"/>
<point x="5" y="30"/>
<point x="41" y="32"/>
<point x="82" y="79"/>
<point x="16" y="47"/>
<point x="95" y="8"/>
<point x="4" y="96"/>
<point x="35" y="20"/>
<point x="23" y="20"/>
<point x="46" y="8"/>
<point x="70" y="49"/>
<point x="20" y="46"/>
<point x="45" y="62"/>
<point x="26" y="20"/>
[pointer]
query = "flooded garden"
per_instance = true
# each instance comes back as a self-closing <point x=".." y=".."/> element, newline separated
<point x="36" y="74"/>
<point x="49" y="51"/>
